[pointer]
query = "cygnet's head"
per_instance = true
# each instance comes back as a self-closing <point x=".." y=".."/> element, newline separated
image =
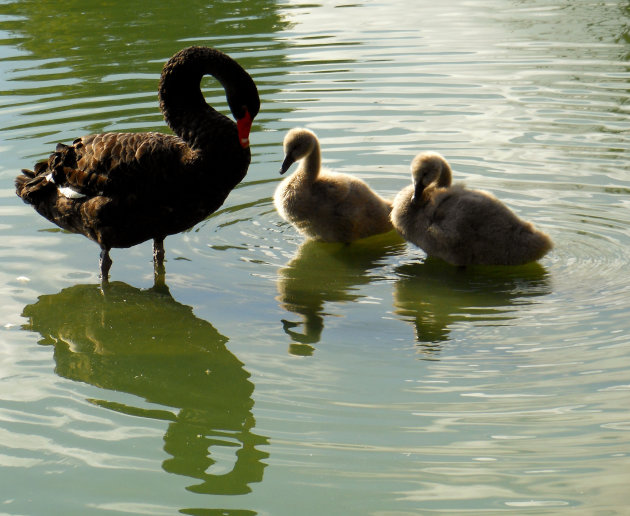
<point x="428" y="168"/>
<point x="298" y="143"/>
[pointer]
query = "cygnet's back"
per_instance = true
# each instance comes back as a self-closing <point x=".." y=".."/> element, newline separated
<point x="325" y="205"/>
<point x="461" y="226"/>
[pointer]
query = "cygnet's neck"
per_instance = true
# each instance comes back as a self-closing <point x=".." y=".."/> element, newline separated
<point x="311" y="164"/>
<point x="445" y="178"/>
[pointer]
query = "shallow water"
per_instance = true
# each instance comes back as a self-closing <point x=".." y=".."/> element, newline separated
<point x="277" y="376"/>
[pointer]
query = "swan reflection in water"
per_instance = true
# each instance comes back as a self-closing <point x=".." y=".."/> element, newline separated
<point x="433" y="296"/>
<point x="145" y="343"/>
<point x="321" y="273"/>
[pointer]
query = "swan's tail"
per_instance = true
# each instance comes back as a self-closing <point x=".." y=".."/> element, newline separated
<point x="34" y="185"/>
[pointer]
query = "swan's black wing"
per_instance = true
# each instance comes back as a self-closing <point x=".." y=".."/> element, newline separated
<point x="113" y="163"/>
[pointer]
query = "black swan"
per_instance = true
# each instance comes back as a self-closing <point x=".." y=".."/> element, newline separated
<point x="461" y="226"/>
<point x="325" y="205"/>
<point x="121" y="189"/>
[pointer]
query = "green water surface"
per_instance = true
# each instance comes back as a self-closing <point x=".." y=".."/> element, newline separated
<point x="276" y="376"/>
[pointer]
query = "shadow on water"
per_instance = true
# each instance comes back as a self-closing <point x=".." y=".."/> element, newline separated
<point x="321" y="273"/>
<point x="433" y="295"/>
<point x="77" y="31"/>
<point x="145" y="343"/>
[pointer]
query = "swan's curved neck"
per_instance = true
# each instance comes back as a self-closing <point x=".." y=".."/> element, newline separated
<point x="182" y="102"/>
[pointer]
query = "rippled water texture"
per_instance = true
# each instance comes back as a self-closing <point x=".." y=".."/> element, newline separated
<point x="276" y="376"/>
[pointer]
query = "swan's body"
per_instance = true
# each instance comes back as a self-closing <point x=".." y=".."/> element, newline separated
<point x="325" y="205"/>
<point x="461" y="226"/>
<point x="121" y="189"/>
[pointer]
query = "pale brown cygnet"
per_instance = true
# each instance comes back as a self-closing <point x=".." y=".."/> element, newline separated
<point x="325" y="205"/>
<point x="461" y="226"/>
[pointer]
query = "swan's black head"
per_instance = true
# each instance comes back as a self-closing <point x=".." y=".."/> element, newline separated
<point x="244" y="113"/>
<point x="244" y="102"/>
<point x="181" y="99"/>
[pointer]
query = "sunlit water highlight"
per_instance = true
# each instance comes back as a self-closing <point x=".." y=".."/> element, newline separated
<point x="277" y="376"/>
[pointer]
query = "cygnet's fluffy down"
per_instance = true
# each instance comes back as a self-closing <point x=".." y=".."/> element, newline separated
<point x="326" y="205"/>
<point x="461" y="226"/>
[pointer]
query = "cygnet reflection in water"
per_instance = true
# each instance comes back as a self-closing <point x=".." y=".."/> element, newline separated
<point x="322" y="273"/>
<point x="145" y="343"/>
<point x="434" y="297"/>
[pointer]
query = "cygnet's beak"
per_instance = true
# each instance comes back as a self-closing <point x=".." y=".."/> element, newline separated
<point x="418" y="188"/>
<point x="286" y="164"/>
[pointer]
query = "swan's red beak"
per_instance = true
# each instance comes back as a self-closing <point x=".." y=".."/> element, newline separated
<point x="244" y="125"/>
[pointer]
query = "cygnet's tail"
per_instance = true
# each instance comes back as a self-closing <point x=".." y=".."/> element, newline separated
<point x="534" y="245"/>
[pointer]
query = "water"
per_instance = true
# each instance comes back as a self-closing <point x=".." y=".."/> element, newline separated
<point x="275" y="376"/>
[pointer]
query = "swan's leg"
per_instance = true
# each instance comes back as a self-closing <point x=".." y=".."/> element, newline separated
<point x="158" y="252"/>
<point x="159" y="271"/>
<point x="105" y="264"/>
